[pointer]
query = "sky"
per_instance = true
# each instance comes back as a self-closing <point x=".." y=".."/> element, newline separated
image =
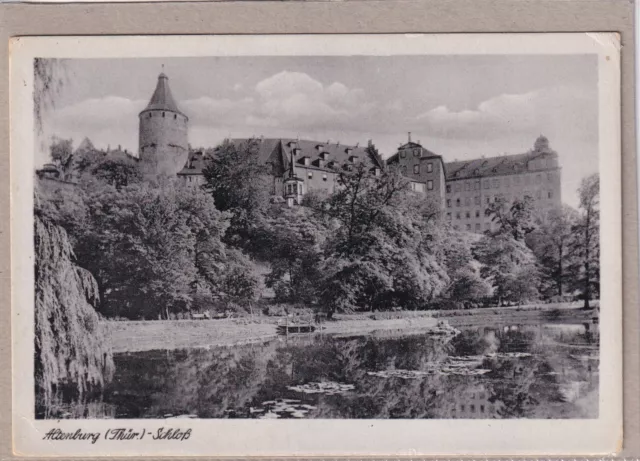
<point x="458" y="106"/>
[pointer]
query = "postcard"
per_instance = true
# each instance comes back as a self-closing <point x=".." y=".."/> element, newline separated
<point x="316" y="245"/>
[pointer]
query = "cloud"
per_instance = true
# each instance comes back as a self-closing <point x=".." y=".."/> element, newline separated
<point x="547" y="110"/>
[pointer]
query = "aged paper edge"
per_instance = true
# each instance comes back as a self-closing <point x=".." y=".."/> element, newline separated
<point x="628" y="183"/>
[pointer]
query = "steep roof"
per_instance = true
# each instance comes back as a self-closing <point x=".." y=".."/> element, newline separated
<point x="196" y="161"/>
<point x="336" y="152"/>
<point x="162" y="98"/>
<point x="492" y="166"/>
<point x="278" y="151"/>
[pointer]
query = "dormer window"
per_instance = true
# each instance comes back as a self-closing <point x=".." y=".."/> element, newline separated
<point x="353" y="159"/>
<point x="332" y="164"/>
<point x="376" y="171"/>
<point x="324" y="155"/>
<point x="297" y="151"/>
<point x="348" y="150"/>
<point x="291" y="143"/>
<point x="319" y="147"/>
<point x="305" y="160"/>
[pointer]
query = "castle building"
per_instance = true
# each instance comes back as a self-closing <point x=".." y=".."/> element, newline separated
<point x="462" y="189"/>
<point x="314" y="165"/>
<point x="163" y="142"/>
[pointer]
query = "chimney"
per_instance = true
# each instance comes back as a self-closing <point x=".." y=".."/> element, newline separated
<point x="409" y="136"/>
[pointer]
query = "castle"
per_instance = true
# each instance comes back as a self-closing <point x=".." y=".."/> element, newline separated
<point x="462" y="189"/>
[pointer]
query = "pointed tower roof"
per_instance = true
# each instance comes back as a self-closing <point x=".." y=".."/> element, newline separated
<point x="162" y="98"/>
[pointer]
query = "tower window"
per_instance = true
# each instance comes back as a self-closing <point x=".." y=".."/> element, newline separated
<point x="163" y="114"/>
<point x="457" y="202"/>
<point x="149" y="115"/>
<point x="430" y="185"/>
<point x="467" y="215"/>
<point x="429" y="167"/>
<point x="448" y="203"/>
<point x="175" y="116"/>
<point x="477" y="213"/>
<point x="416" y="169"/>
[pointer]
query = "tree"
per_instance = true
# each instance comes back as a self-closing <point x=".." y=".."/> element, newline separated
<point x="585" y="245"/>
<point x="61" y="151"/>
<point x="383" y="254"/>
<point x="509" y="265"/>
<point x="550" y="243"/>
<point x="516" y="219"/>
<point x="239" y="184"/>
<point x="291" y="241"/>
<point x="72" y="352"/>
<point x="49" y="78"/>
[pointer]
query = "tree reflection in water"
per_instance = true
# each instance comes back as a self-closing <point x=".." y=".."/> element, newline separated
<point x="547" y="371"/>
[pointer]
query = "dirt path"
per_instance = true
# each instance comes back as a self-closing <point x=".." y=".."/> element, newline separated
<point x="136" y="336"/>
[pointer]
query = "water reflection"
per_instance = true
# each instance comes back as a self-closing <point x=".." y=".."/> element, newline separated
<point x="547" y="371"/>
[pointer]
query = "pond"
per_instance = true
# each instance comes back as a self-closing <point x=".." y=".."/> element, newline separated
<point x="510" y="371"/>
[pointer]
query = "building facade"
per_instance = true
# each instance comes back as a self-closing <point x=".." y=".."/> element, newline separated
<point x="461" y="189"/>
<point x="163" y="143"/>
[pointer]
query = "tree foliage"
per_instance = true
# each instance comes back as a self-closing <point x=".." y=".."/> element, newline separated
<point x="72" y="351"/>
<point x="585" y="246"/>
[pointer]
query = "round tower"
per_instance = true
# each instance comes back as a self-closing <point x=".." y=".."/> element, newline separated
<point x="163" y="143"/>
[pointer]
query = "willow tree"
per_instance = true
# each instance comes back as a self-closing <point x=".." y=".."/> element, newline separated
<point x="72" y="352"/>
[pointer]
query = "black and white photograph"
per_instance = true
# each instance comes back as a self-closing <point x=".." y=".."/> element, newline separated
<point x="330" y="236"/>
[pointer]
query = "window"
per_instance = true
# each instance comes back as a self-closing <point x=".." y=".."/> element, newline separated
<point x="403" y="170"/>
<point x="467" y="201"/>
<point x="149" y="116"/>
<point x="481" y="408"/>
<point x="461" y="407"/>
<point x="416" y="169"/>
<point x="473" y="408"/>
<point x="468" y="227"/>
<point x="458" y="187"/>
<point x="175" y="116"/>
<point x="550" y="194"/>
<point x="448" y="188"/>
<point x="418" y="187"/>
<point x="467" y="186"/>
<point x="496" y="183"/>
<point x="549" y="177"/>
<point x="430" y="185"/>
<point x="429" y="167"/>
<point x="324" y="177"/>
<point x="309" y="175"/>
<point x="476" y="186"/>
<point x="448" y="203"/>
<point x="403" y="153"/>
<point x="449" y="216"/>
<point x="477" y="200"/>
<point x="477" y="226"/>
<point x="477" y="213"/>
<point x="457" y="202"/>
<point x="458" y="215"/>
<point x="538" y="179"/>
<point x="488" y="200"/>
<point x="467" y="215"/>
<point x="416" y="153"/>
<point x="163" y="114"/>
<point x="486" y="184"/>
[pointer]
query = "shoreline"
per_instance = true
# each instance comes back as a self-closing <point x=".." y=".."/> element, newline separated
<point x="147" y="335"/>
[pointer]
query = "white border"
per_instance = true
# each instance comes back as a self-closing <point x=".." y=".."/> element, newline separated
<point x="322" y="437"/>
